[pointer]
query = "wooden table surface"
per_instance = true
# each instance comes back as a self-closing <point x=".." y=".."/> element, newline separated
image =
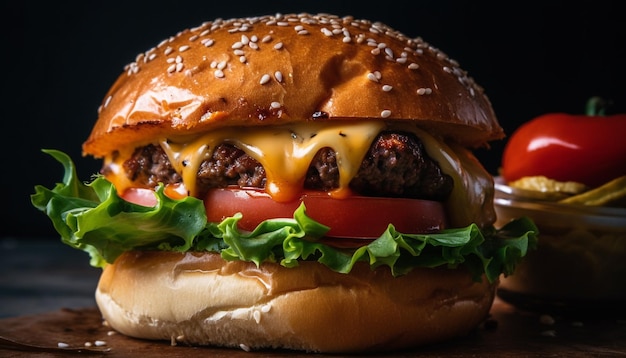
<point x="46" y="296"/>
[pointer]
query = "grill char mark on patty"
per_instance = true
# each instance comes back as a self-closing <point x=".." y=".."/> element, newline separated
<point x="396" y="165"/>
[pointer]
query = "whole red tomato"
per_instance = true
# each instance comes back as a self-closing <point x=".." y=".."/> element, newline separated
<point x="589" y="149"/>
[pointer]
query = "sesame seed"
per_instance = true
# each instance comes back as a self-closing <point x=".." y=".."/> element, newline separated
<point x="278" y="46"/>
<point x="275" y="105"/>
<point x="423" y="91"/>
<point x="387" y="88"/>
<point x="62" y="345"/>
<point x="253" y="45"/>
<point x="266" y="39"/>
<point x="245" y="40"/>
<point x="168" y="50"/>
<point x="237" y="45"/>
<point x="264" y="79"/>
<point x="221" y="65"/>
<point x="278" y="76"/>
<point x="346" y="39"/>
<point x="413" y="66"/>
<point x="132" y="68"/>
<point x="243" y="59"/>
<point x="172" y="68"/>
<point x="375" y="51"/>
<point x="207" y="42"/>
<point x="372" y="77"/>
<point x="326" y="32"/>
<point x="183" y="48"/>
<point x="218" y="74"/>
<point x="238" y="52"/>
<point x="385" y="113"/>
<point x="179" y="67"/>
<point x="303" y="32"/>
<point x="257" y="316"/>
<point x="100" y="343"/>
<point x="244" y="347"/>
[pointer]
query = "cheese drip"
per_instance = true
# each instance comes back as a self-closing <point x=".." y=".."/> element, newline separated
<point x="285" y="152"/>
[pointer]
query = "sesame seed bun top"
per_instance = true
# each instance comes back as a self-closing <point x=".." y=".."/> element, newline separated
<point x="287" y="68"/>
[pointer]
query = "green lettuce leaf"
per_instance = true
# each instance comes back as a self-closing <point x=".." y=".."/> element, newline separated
<point x="92" y="217"/>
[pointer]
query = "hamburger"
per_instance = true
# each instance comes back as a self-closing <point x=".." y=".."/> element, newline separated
<point x="295" y="181"/>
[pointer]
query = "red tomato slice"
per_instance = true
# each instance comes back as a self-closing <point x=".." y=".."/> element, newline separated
<point x="140" y="196"/>
<point x="355" y="217"/>
<point x="353" y="221"/>
<point x="146" y="197"/>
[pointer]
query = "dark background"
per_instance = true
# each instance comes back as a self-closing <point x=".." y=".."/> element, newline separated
<point x="58" y="61"/>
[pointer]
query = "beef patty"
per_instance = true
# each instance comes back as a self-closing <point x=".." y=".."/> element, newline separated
<point x="396" y="165"/>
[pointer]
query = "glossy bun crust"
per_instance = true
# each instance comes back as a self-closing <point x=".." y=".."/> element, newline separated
<point x="200" y="299"/>
<point x="285" y="68"/>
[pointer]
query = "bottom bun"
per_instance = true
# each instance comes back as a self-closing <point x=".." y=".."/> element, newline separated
<point x="200" y="299"/>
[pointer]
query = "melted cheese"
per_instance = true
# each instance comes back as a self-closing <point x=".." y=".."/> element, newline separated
<point x="471" y="200"/>
<point x="287" y="151"/>
<point x="114" y="164"/>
